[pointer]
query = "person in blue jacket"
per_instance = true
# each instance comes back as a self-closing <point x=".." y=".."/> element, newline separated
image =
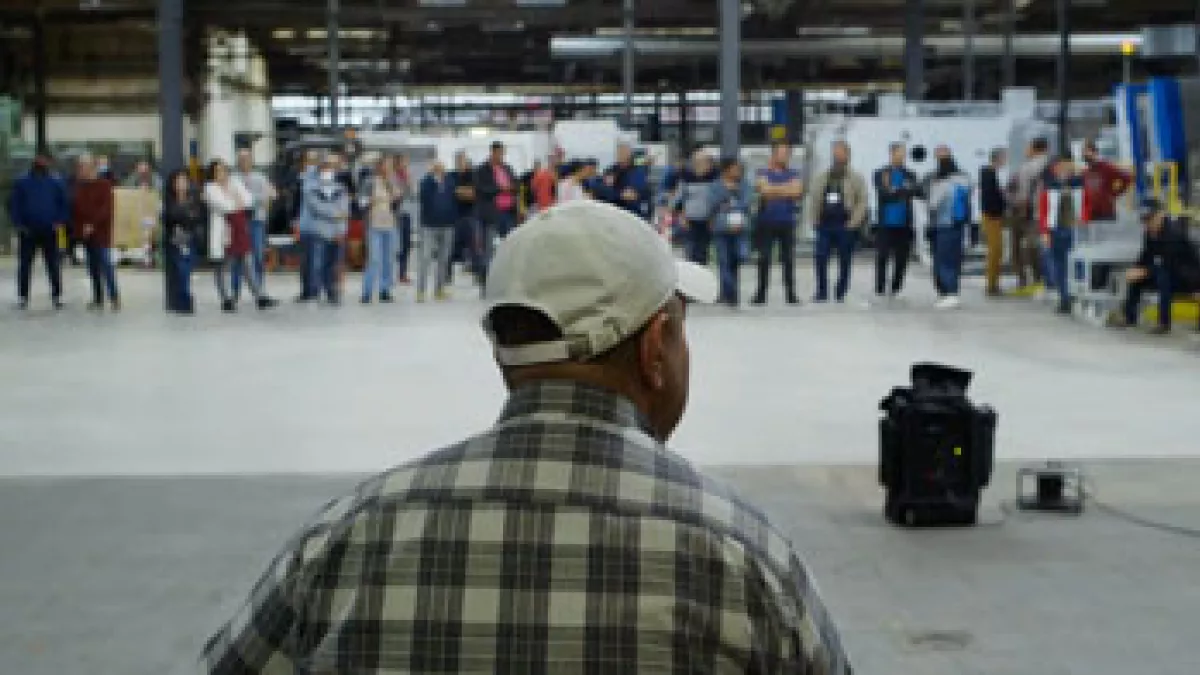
<point x="627" y="184"/>
<point x="38" y="209"/>
<point x="731" y="202"/>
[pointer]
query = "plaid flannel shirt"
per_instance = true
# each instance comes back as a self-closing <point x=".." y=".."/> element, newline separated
<point x="564" y="540"/>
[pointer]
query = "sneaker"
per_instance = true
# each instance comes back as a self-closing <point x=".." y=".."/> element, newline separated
<point x="792" y="300"/>
<point x="420" y="296"/>
<point x="366" y="300"/>
<point x="1160" y="330"/>
<point x="267" y="303"/>
<point x="994" y="293"/>
<point x="758" y="300"/>
<point x="1063" y="310"/>
<point x="820" y="299"/>
<point x="335" y="301"/>
<point x="949" y="302"/>
<point x="116" y="304"/>
<point x="302" y="299"/>
<point x="95" y="306"/>
<point x="1115" y="320"/>
<point x="442" y="295"/>
<point x="228" y="306"/>
<point x="58" y="304"/>
<point x="386" y="298"/>
<point x="23" y="304"/>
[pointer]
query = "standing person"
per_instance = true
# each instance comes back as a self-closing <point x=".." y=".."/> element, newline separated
<point x="261" y="193"/>
<point x="543" y="186"/>
<point x="993" y="205"/>
<point x="1103" y="183"/>
<point x="144" y="177"/>
<point x="839" y="210"/>
<point x="38" y="210"/>
<point x="402" y="188"/>
<point x="628" y="184"/>
<point x="521" y="550"/>
<point x="306" y="232"/>
<point x="328" y="202"/>
<point x="439" y="212"/>
<point x="1026" y="252"/>
<point x="570" y="188"/>
<point x="381" y="236"/>
<point x="780" y="191"/>
<point x="731" y="205"/>
<point x="92" y="213"/>
<point x="103" y="169"/>
<point x="950" y="211"/>
<point x="183" y="223"/>
<point x="895" y="187"/>
<point x="693" y="204"/>
<point x="1168" y="263"/>
<point x="1063" y="208"/>
<point x="229" y="235"/>
<point x="496" y="203"/>
<point x="466" y="244"/>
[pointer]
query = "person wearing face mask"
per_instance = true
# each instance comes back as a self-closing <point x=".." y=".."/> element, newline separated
<point x="569" y="536"/>
<point x="839" y="210"/>
<point x="38" y="209"/>
<point x="949" y="199"/>
<point x="305" y="226"/>
<point x="328" y="202"/>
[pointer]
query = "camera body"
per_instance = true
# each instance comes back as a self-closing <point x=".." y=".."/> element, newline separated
<point x="936" y="449"/>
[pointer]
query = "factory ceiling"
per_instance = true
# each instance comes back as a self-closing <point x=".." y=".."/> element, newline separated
<point x="388" y="45"/>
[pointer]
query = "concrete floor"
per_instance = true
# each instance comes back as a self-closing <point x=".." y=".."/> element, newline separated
<point x="153" y="464"/>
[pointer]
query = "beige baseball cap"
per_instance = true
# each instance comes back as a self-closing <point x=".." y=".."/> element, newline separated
<point x="598" y="272"/>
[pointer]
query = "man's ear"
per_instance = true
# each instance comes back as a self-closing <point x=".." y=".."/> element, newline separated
<point x="652" y="352"/>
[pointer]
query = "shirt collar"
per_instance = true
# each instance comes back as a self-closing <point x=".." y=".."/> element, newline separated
<point x="574" y="399"/>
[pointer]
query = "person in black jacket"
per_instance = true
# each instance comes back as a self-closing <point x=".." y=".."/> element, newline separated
<point x="184" y="220"/>
<point x="1168" y="264"/>
<point x="496" y="203"/>
<point x="895" y="187"/>
<point x="993" y="203"/>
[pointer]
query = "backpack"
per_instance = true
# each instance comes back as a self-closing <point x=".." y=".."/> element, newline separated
<point x="960" y="205"/>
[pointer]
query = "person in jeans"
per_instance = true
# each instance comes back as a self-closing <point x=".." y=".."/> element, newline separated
<point x="839" y="210"/>
<point x="780" y="191"/>
<point x="466" y="245"/>
<point x="38" y="209"/>
<point x="261" y="193"/>
<point x="496" y="203"/>
<point x="692" y="203"/>
<point x="381" y="236"/>
<point x="731" y="203"/>
<point x="895" y="187"/>
<point x="439" y="213"/>
<point x="567" y="538"/>
<point x="92" y="213"/>
<point x="993" y="205"/>
<point x="402" y="188"/>
<point x="183" y="223"/>
<point x="1063" y="208"/>
<point x="229" y="235"/>
<point x="1168" y="263"/>
<point x="949" y="217"/>
<point x="329" y="205"/>
<point x="306" y="233"/>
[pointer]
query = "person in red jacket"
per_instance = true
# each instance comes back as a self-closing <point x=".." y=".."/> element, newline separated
<point x="1063" y="208"/>
<point x="1103" y="183"/>
<point x="92" y="215"/>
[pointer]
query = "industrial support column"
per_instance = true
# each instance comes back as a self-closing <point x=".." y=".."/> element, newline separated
<point x="170" y="102"/>
<point x="333" y="37"/>
<point x="39" y="83"/>
<point x="628" y="75"/>
<point x="968" y="63"/>
<point x="730" y="62"/>
<point x="914" y="50"/>
<point x="1009" y="56"/>
<point x="1064" y="75"/>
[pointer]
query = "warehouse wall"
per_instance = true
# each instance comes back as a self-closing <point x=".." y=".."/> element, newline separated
<point x="110" y="128"/>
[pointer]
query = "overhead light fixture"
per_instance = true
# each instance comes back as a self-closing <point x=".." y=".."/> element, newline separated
<point x="283" y="34"/>
<point x="443" y="3"/>
<point x="540" y="3"/>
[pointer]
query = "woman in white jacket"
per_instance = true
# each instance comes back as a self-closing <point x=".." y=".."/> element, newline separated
<point x="229" y="240"/>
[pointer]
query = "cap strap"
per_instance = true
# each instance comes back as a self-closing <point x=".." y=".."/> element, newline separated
<point x="530" y="355"/>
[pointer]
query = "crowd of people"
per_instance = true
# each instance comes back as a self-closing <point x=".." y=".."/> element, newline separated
<point x="704" y="206"/>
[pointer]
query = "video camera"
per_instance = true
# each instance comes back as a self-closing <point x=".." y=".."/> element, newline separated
<point x="936" y="449"/>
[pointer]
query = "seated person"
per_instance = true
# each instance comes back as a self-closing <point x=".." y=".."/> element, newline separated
<point x="1168" y="263"/>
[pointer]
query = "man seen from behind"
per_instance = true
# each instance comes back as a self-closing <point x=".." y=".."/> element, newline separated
<point x="568" y="538"/>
